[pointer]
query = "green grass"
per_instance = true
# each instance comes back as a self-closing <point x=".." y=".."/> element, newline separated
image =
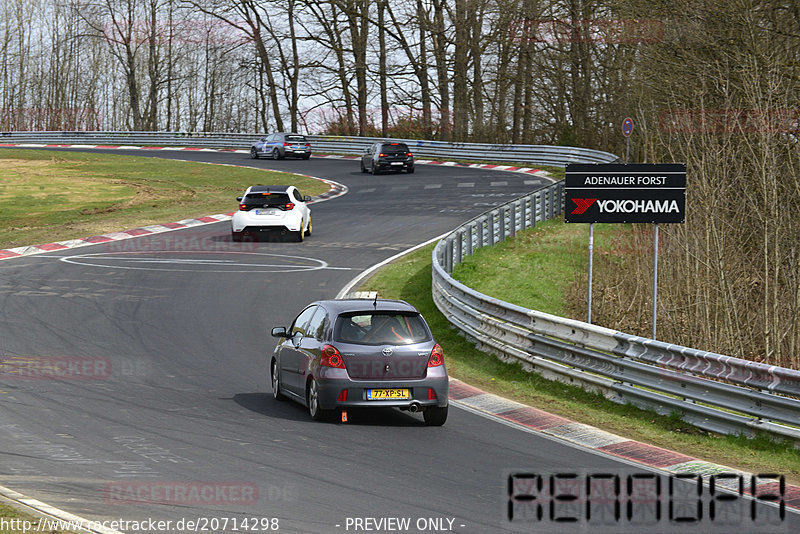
<point x="16" y="518"/>
<point x="47" y="196"/>
<point x="535" y="268"/>
<point x="409" y="278"/>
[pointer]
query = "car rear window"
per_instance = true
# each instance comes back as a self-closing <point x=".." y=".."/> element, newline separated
<point x="394" y="148"/>
<point x="381" y="328"/>
<point x="271" y="199"/>
<point x="298" y="138"/>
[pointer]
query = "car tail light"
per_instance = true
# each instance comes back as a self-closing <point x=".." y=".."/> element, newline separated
<point x="308" y="144"/>
<point x="331" y="357"/>
<point x="342" y="396"/>
<point x="288" y="206"/>
<point x="381" y="155"/>
<point x="409" y="154"/>
<point x="287" y="144"/>
<point x="437" y="356"/>
<point x="242" y="207"/>
<point x="431" y="394"/>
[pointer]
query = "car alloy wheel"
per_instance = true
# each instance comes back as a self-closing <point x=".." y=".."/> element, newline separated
<point x="317" y="413"/>
<point x="253" y="153"/>
<point x="276" y="382"/>
<point x="276" y="154"/>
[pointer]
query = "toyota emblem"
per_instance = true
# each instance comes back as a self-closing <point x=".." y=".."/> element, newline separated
<point x="387" y="351"/>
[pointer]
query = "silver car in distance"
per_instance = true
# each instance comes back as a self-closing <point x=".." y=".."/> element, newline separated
<point x="364" y="353"/>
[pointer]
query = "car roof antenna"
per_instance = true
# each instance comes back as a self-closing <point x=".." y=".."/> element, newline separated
<point x="375" y="302"/>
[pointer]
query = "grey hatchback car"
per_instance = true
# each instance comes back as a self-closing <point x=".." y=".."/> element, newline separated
<point x="360" y="353"/>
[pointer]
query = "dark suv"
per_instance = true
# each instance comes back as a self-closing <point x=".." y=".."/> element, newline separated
<point x="385" y="156"/>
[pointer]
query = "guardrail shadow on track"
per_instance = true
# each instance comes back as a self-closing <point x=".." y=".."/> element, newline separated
<point x="712" y="391"/>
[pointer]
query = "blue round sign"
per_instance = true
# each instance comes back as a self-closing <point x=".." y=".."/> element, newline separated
<point x="627" y="127"/>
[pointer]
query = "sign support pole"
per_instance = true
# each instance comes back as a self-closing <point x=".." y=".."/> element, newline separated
<point x="655" y="276"/>
<point x="627" y="150"/>
<point x="591" y="255"/>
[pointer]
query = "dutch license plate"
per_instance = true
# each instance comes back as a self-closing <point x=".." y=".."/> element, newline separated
<point x="381" y="394"/>
<point x="266" y="212"/>
<point x="397" y="163"/>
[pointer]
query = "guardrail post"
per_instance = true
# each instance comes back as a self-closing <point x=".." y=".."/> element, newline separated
<point x="470" y="232"/>
<point x="523" y="213"/>
<point x="458" y="256"/>
<point x="502" y="219"/>
<point x="448" y="257"/>
<point x="513" y="228"/>
<point x="542" y="207"/>
<point x="560" y="196"/>
<point x="491" y="241"/>
<point x="480" y="231"/>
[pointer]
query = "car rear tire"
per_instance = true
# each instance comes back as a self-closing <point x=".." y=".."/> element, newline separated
<point x="363" y="169"/>
<point x="307" y="156"/>
<point x="253" y="153"/>
<point x="435" y="415"/>
<point x="312" y="398"/>
<point x="411" y="170"/>
<point x="276" y="382"/>
<point x="308" y="228"/>
<point x="374" y="169"/>
<point x="300" y="234"/>
<point x="236" y="237"/>
<point x="276" y="154"/>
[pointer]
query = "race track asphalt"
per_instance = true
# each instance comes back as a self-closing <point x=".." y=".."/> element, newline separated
<point x="172" y="331"/>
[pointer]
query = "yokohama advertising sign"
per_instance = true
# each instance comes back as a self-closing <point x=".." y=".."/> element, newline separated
<point x="619" y="193"/>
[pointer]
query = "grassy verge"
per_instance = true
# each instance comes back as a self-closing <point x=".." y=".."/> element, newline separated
<point x="24" y="523"/>
<point x="47" y="196"/>
<point x="542" y="285"/>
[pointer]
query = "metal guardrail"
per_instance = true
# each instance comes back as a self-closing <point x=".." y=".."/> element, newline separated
<point x="714" y="392"/>
<point x="538" y="154"/>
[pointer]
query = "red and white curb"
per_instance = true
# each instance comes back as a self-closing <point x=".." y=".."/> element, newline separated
<point x="508" y="168"/>
<point x="489" y="166"/>
<point x="588" y="437"/>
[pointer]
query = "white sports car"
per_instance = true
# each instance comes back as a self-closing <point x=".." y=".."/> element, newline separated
<point x="271" y="208"/>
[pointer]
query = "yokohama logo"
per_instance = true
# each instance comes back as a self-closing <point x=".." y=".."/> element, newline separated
<point x="582" y="204"/>
<point x="638" y="206"/>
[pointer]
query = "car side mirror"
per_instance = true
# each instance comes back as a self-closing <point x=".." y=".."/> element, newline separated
<point x="306" y="198"/>
<point x="279" y="331"/>
<point x="239" y="198"/>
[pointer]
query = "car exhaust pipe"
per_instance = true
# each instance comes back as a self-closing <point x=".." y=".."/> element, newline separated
<point x="415" y="407"/>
